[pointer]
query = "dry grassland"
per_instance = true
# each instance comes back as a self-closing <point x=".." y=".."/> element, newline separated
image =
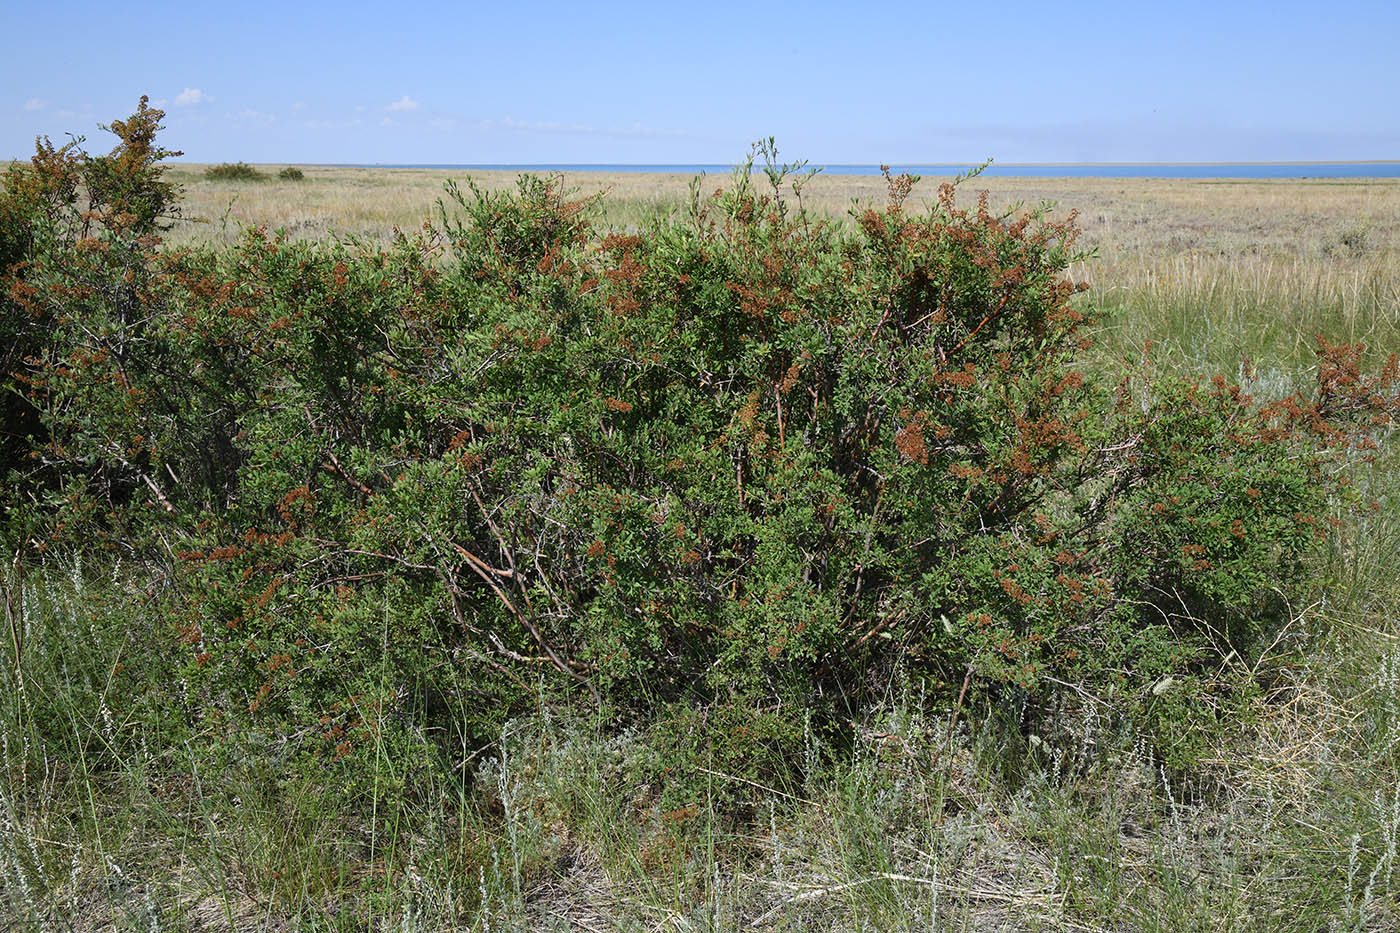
<point x="1209" y="267"/>
<point x="1128" y="219"/>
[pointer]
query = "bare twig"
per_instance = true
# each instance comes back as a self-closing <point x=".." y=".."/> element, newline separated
<point x="488" y="575"/>
<point x="953" y="719"/>
<point x="334" y="467"/>
<point x="755" y="784"/>
<point x="160" y="496"/>
<point x="812" y="894"/>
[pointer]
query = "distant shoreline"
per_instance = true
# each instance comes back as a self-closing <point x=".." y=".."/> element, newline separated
<point x="1374" y="168"/>
<point x="605" y="166"/>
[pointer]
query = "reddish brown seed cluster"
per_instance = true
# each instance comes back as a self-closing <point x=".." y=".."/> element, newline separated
<point x="909" y="440"/>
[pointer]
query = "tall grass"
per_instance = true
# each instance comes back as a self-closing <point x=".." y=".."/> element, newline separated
<point x="1293" y="826"/>
<point x="1211" y="313"/>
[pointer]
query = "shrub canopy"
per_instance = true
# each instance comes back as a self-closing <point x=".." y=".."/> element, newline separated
<point x="743" y="459"/>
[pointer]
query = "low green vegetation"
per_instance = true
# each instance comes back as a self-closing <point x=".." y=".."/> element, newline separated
<point x="236" y="171"/>
<point x="743" y="569"/>
<point x="291" y="173"/>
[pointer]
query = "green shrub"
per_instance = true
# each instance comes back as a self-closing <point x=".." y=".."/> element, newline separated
<point x="233" y="171"/>
<point x="292" y="173"/>
<point x="70" y="205"/>
<point x="743" y="460"/>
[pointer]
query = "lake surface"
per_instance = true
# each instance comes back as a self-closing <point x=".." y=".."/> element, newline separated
<point x="1043" y="170"/>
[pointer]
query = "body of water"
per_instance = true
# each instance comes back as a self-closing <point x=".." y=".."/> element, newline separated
<point x="1044" y="170"/>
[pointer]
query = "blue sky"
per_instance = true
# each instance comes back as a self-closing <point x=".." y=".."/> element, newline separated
<point x="654" y="82"/>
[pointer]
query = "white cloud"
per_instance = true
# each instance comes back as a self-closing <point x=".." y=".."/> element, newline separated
<point x="34" y="104"/>
<point x="403" y="105"/>
<point x="64" y="114"/>
<point x="191" y="96"/>
<point x="299" y="105"/>
<point x="256" y="115"/>
<point x="443" y="123"/>
<point x="385" y="121"/>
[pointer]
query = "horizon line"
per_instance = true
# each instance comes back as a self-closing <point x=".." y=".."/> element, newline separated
<point x="812" y="164"/>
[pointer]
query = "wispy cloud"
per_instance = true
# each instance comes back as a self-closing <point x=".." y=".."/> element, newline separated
<point x="256" y="115"/>
<point x="34" y="104"/>
<point x="404" y="104"/>
<point x="191" y="96"/>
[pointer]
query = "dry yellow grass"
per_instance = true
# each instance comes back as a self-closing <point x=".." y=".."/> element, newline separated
<point x="1125" y="218"/>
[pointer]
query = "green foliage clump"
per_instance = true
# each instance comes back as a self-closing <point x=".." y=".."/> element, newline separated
<point x="69" y="205"/>
<point x="744" y="461"/>
<point x="291" y="173"/>
<point x="233" y="171"/>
